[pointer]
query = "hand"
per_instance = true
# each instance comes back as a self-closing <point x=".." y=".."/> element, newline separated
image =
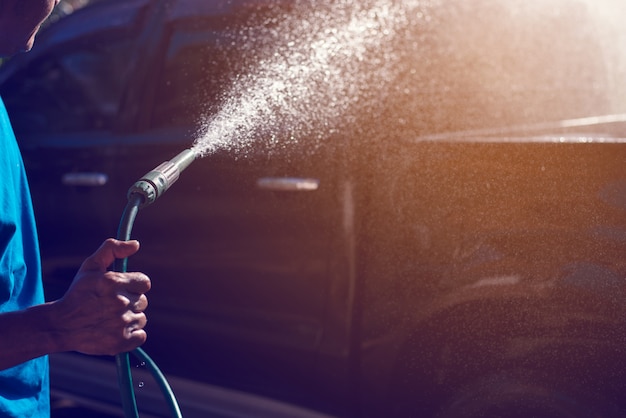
<point x="103" y="311"/>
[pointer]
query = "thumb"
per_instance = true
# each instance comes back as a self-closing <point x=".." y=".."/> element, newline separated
<point x="108" y="252"/>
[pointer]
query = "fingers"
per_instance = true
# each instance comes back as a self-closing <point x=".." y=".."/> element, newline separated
<point x="130" y="330"/>
<point x="108" y="252"/>
<point x="134" y="333"/>
<point x="135" y="321"/>
<point x="140" y="305"/>
<point x="135" y="339"/>
<point x="136" y="303"/>
<point x="129" y="336"/>
<point x="115" y="282"/>
<point x="136" y="282"/>
<point x="103" y="311"/>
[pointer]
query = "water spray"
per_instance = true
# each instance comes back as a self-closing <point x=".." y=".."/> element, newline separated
<point x="144" y="192"/>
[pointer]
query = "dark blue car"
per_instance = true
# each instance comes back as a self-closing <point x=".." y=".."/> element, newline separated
<point x="425" y="214"/>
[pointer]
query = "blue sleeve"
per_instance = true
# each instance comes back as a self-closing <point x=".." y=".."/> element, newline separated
<point x="24" y="389"/>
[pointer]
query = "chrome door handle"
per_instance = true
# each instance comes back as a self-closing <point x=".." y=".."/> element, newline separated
<point x="288" y="184"/>
<point x="85" y="179"/>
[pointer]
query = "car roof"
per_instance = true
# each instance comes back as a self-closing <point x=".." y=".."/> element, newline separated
<point x="180" y="9"/>
<point x="111" y="15"/>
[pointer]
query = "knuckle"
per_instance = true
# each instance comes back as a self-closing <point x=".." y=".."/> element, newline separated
<point x="110" y="241"/>
<point x="142" y="280"/>
<point x="112" y="277"/>
<point x="123" y="301"/>
<point x="128" y="318"/>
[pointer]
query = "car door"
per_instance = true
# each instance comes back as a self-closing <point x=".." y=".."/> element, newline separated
<point x="238" y="248"/>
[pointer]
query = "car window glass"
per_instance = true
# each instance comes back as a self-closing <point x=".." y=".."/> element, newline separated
<point x="72" y="88"/>
<point x="194" y="73"/>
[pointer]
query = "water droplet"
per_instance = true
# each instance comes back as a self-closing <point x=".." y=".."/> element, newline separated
<point x="142" y="364"/>
<point x="141" y="384"/>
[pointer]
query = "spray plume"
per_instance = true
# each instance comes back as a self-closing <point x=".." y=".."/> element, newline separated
<point x="319" y="65"/>
<point x="322" y="61"/>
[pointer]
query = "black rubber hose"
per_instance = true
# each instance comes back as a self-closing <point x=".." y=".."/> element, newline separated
<point x="122" y="361"/>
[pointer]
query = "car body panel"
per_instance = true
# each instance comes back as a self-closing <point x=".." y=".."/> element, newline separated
<point x="501" y="257"/>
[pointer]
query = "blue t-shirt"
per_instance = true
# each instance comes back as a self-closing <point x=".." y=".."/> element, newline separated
<point x="24" y="389"/>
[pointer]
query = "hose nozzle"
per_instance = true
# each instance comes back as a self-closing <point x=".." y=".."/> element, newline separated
<point x="156" y="182"/>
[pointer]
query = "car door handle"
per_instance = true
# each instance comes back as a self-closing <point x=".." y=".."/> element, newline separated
<point x="85" y="179"/>
<point x="288" y="184"/>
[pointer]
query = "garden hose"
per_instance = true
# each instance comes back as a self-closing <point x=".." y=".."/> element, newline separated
<point x="143" y="193"/>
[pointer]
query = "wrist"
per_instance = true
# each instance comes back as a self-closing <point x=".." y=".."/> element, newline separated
<point x="28" y="334"/>
<point x="48" y="325"/>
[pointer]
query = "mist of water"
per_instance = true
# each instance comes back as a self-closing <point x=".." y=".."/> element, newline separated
<point x="320" y="64"/>
<point x="316" y="67"/>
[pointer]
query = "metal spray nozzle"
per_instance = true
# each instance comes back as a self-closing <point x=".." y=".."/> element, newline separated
<point x="156" y="182"/>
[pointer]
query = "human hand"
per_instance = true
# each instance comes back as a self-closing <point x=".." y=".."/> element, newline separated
<point x="103" y="311"/>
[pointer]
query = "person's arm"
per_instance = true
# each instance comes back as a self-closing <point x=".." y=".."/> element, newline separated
<point x="102" y="313"/>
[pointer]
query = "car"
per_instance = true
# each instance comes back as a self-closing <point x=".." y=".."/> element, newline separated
<point x="398" y="209"/>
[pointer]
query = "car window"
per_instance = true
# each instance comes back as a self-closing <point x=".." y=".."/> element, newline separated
<point x="193" y="75"/>
<point x="70" y="88"/>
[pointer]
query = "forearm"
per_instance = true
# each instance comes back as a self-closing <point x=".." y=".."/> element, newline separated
<point x="28" y="334"/>
<point x="102" y="313"/>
